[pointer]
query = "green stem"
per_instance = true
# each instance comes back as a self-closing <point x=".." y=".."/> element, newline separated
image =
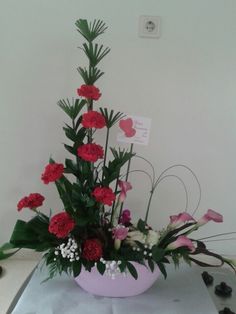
<point x="149" y="203"/>
<point x="77" y="157"/>
<point x="116" y="188"/>
<point x="127" y="174"/>
<point x="105" y="154"/>
<point x="121" y="208"/>
<point x="129" y="162"/>
<point x="113" y="213"/>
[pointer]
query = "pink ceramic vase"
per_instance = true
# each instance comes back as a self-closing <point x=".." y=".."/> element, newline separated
<point x="121" y="286"/>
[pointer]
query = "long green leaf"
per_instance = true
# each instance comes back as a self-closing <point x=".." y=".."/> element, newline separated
<point x="132" y="270"/>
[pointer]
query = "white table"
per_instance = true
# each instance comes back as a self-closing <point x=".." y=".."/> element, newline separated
<point x="182" y="293"/>
<point x="15" y="272"/>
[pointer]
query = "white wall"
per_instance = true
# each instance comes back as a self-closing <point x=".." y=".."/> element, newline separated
<point x="184" y="81"/>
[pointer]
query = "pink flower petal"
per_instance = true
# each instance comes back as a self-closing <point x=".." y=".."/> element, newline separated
<point x="176" y="220"/>
<point x="120" y="232"/>
<point x="182" y="241"/>
<point x="210" y="215"/>
<point x="125" y="187"/>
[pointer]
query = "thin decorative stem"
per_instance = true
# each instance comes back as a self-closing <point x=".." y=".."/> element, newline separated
<point x="143" y="171"/>
<point x="149" y="204"/>
<point x="153" y="189"/>
<point x="114" y="203"/>
<point x="184" y="186"/>
<point x="161" y="177"/>
<point x="127" y="173"/>
<point x="153" y="170"/>
<point x="217" y="235"/>
<point x="216" y="240"/>
<point x="77" y="157"/>
<point x="113" y="213"/>
<point x="193" y="174"/>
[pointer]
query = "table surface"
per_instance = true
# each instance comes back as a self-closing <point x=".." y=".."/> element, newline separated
<point x="15" y="272"/>
<point x="182" y="293"/>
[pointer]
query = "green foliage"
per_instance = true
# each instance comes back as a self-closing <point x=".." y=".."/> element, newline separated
<point x="111" y="118"/>
<point x="187" y="259"/>
<point x="76" y="137"/>
<point x="90" y="31"/>
<point x="142" y="226"/>
<point x="71" y="109"/>
<point x="4" y="250"/>
<point x="162" y="269"/>
<point x="77" y="265"/>
<point x="91" y="76"/>
<point x="170" y="236"/>
<point x="95" y="53"/>
<point x="33" y="234"/>
<point x="157" y="253"/>
<point x="151" y="264"/>
<point x="112" y="170"/>
<point x="176" y="259"/>
<point x="132" y="270"/>
<point x="101" y="267"/>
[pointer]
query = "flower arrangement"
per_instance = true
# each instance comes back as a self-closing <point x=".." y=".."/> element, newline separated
<point x="93" y="229"/>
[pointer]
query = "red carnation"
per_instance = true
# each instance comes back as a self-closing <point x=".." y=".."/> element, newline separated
<point x="92" y="250"/>
<point x="35" y="200"/>
<point x="61" y="225"/>
<point x="89" y="91"/>
<point x="52" y="172"/>
<point x="104" y="195"/>
<point x="32" y="201"/>
<point x="90" y="152"/>
<point x="93" y="119"/>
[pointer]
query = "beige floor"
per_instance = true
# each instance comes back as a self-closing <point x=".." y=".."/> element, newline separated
<point x="15" y="272"/>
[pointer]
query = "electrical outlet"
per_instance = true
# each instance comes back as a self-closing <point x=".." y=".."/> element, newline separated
<point x="149" y="26"/>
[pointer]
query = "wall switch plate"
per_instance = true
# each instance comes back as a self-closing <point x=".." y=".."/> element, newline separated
<point x="149" y="26"/>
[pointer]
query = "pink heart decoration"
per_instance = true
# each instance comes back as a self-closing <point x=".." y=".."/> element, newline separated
<point x="126" y="125"/>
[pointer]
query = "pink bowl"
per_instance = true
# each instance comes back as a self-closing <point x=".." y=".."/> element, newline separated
<point x="121" y="286"/>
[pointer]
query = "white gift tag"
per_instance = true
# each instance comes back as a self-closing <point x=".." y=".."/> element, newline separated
<point x="142" y="127"/>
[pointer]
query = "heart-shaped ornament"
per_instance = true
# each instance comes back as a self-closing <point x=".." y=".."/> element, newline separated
<point x="126" y="125"/>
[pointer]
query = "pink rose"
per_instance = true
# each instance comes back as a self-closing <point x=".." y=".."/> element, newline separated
<point x="120" y="232"/>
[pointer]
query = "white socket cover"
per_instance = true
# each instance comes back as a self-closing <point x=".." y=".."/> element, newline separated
<point x="149" y="26"/>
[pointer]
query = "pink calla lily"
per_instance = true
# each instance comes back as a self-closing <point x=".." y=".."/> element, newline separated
<point x="177" y="220"/>
<point x="182" y="241"/>
<point x="125" y="187"/>
<point x="210" y="215"/>
<point x="119" y="233"/>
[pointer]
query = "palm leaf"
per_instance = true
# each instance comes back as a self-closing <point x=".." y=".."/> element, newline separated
<point x="110" y="117"/>
<point x="90" y="30"/>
